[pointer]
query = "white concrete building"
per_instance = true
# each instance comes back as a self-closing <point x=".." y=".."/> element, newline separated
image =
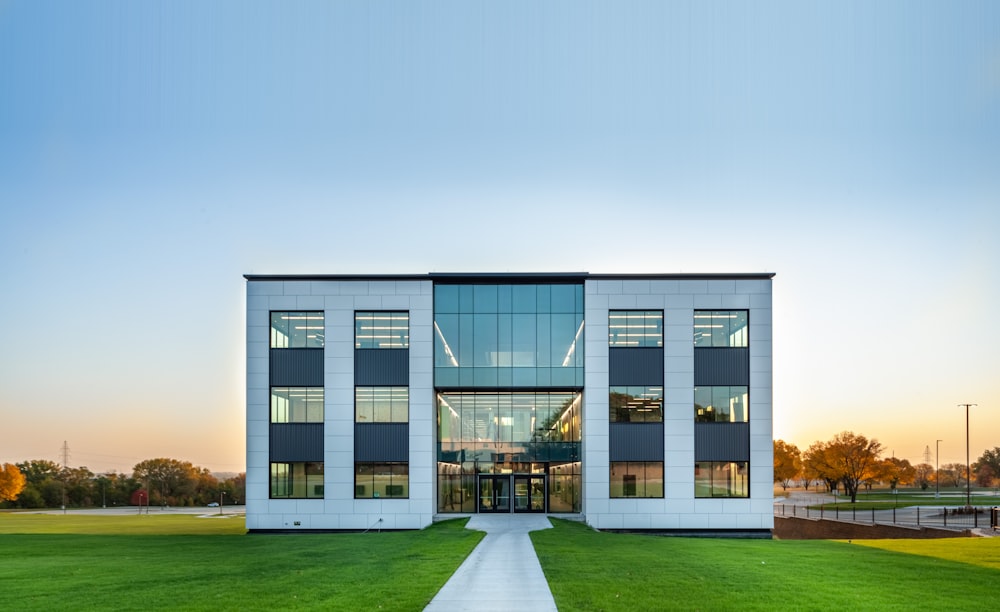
<point x="633" y="401"/>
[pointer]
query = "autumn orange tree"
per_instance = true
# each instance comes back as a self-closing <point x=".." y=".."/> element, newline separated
<point x="11" y="482"/>
<point x="848" y="459"/>
<point x="787" y="462"/>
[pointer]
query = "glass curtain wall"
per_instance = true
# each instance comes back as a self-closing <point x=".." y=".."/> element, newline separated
<point x="508" y="335"/>
<point x="508" y="369"/>
<point x="508" y="433"/>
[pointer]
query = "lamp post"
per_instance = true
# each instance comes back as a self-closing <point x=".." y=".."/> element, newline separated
<point x="968" y="470"/>
<point x="140" y="502"/>
<point x="221" y="494"/>
<point x="937" y="470"/>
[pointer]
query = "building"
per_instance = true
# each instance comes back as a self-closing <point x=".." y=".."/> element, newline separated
<point x="637" y="401"/>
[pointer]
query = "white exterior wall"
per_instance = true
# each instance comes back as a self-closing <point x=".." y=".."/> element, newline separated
<point x="678" y="509"/>
<point x="339" y="300"/>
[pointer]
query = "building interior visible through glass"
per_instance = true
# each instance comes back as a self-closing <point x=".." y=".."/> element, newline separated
<point x="508" y="368"/>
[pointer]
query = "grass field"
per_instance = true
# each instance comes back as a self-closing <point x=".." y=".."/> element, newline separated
<point x="588" y="570"/>
<point x="183" y="562"/>
<point x="189" y="563"/>
<point x="881" y="499"/>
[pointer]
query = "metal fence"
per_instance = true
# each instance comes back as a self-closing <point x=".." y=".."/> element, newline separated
<point x="948" y="517"/>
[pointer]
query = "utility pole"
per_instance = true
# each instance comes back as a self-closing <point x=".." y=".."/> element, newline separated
<point x="968" y="469"/>
<point x="937" y="470"/>
<point x="65" y="464"/>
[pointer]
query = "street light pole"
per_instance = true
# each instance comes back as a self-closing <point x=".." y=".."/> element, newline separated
<point x="968" y="470"/>
<point x="937" y="469"/>
<point x="221" y="493"/>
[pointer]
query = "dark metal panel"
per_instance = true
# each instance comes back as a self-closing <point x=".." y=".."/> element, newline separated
<point x="296" y="367"/>
<point x="722" y="442"/>
<point x="636" y="441"/>
<point x="382" y="442"/>
<point x="380" y="367"/>
<point x="296" y="442"/>
<point x="635" y="366"/>
<point x="721" y="366"/>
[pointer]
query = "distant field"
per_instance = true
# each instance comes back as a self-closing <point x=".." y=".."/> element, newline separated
<point x="588" y="570"/>
<point x="51" y="562"/>
<point x="132" y="524"/>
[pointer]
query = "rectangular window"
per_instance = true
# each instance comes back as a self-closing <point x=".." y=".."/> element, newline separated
<point x="636" y="479"/>
<point x="297" y="330"/>
<point x="721" y="479"/>
<point x="721" y="404"/>
<point x="296" y="404"/>
<point x="381" y="480"/>
<point x="720" y="328"/>
<point x="636" y="404"/>
<point x="381" y="405"/>
<point x="381" y="330"/>
<point x="635" y="328"/>
<point x="299" y="480"/>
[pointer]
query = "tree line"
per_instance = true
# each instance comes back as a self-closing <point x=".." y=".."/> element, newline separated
<point x="40" y="483"/>
<point x="852" y="461"/>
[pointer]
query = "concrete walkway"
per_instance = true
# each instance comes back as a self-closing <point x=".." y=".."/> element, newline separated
<point x="502" y="573"/>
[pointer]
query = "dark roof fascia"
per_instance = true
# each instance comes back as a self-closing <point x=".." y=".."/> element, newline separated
<point x="335" y="277"/>
<point x="459" y="277"/>
<point x="685" y="276"/>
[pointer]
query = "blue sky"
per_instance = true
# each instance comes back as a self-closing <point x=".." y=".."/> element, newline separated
<point x="150" y="154"/>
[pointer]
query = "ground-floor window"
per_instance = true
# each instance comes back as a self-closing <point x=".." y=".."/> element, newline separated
<point x="297" y="480"/>
<point x="636" y="479"/>
<point x="721" y="479"/>
<point x="381" y="480"/>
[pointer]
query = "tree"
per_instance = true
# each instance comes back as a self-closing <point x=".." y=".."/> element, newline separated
<point x="816" y="464"/>
<point x="924" y="475"/>
<point x="953" y="475"/>
<point x="44" y="488"/>
<point x="855" y="458"/>
<point x="896" y="471"/>
<point x="787" y="462"/>
<point x="12" y="482"/>
<point x="174" y="482"/>
<point x="987" y="467"/>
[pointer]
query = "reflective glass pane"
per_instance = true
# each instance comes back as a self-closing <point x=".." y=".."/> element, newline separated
<point x="446" y="298"/>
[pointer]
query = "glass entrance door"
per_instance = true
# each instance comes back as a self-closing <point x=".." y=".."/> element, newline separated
<point x="494" y="493"/>
<point x="529" y="493"/>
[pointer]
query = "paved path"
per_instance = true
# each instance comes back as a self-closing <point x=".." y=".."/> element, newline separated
<point x="502" y="573"/>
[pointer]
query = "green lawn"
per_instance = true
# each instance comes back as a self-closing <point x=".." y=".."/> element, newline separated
<point x="881" y="499"/>
<point x="191" y="563"/>
<point x="588" y="570"/>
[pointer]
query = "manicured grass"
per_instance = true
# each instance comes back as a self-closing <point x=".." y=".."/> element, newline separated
<point x="588" y="570"/>
<point x="132" y="524"/>
<point x="881" y="499"/>
<point x="984" y="552"/>
<point x="187" y="568"/>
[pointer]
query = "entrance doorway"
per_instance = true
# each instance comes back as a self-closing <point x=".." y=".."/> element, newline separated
<point x="495" y="493"/>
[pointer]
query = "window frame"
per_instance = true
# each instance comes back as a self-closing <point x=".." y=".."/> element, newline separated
<point x="725" y="337"/>
<point x="727" y="491"/>
<point x="654" y="405"/>
<point x="703" y="417"/>
<point x="290" y="342"/>
<point x="635" y="319"/>
<point x="393" y="328"/>
<point x="403" y="467"/>
<point x="641" y="487"/>
<point x="290" y="478"/>
<point x="399" y="408"/>
<point x="311" y="395"/>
